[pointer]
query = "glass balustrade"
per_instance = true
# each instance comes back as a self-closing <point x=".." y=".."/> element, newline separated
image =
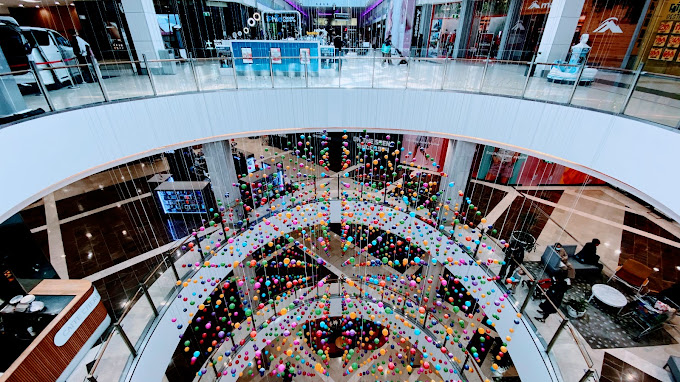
<point x="646" y="96"/>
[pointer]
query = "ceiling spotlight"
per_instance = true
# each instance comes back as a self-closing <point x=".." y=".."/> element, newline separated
<point x="656" y="269"/>
<point x="677" y="267"/>
<point x="88" y="235"/>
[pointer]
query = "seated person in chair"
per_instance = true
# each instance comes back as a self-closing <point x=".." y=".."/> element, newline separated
<point x="588" y="254"/>
<point x="571" y="272"/>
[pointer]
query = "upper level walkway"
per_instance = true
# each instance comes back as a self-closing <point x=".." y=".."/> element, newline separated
<point x="619" y="128"/>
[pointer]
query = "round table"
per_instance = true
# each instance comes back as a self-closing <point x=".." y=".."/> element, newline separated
<point x="609" y="296"/>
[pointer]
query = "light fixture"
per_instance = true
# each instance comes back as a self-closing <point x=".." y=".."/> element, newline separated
<point x="88" y="235"/>
<point x="21" y="5"/>
<point x="124" y="232"/>
<point x="677" y="267"/>
<point x="31" y="1"/>
<point x="89" y="255"/>
<point x="618" y="251"/>
<point x="656" y="269"/>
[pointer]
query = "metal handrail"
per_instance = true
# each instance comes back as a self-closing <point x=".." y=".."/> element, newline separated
<point x="131" y="303"/>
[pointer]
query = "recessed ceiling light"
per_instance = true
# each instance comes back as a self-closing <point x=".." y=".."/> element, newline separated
<point x="88" y="235"/>
<point x="31" y="1"/>
<point x="656" y="269"/>
<point x="21" y="5"/>
<point x="677" y="267"/>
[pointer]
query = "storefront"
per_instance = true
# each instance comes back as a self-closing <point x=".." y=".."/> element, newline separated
<point x="661" y="42"/>
<point x="444" y="22"/>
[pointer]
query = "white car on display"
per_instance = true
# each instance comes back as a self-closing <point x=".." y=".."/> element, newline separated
<point x="46" y="47"/>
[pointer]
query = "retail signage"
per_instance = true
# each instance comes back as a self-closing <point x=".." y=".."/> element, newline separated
<point x="536" y="7"/>
<point x="609" y="25"/>
<point x="275" y="54"/>
<point x="77" y="319"/>
<point x="247" y="55"/>
<point x="304" y="56"/>
<point x="276" y="18"/>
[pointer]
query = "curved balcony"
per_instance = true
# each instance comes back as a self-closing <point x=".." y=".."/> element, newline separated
<point x="528" y="114"/>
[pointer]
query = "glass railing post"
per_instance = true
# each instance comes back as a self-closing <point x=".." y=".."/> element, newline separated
<point x="486" y="67"/>
<point x="125" y="339"/>
<point x="198" y="247"/>
<point x="373" y="72"/>
<point x="271" y="70"/>
<point x="41" y="84"/>
<point x="589" y="373"/>
<point x="235" y="76"/>
<point x="193" y="71"/>
<point x="306" y="75"/>
<point x="578" y="79"/>
<point x="530" y="293"/>
<point x="557" y="334"/>
<point x="148" y="73"/>
<point x="446" y="67"/>
<point x="100" y="79"/>
<point x="408" y="73"/>
<point x="148" y="297"/>
<point x="339" y="70"/>
<point x="632" y="87"/>
<point x="529" y="73"/>
<point x="168" y="259"/>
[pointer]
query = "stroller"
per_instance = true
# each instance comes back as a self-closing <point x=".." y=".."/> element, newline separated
<point x="402" y="61"/>
<point x="544" y="284"/>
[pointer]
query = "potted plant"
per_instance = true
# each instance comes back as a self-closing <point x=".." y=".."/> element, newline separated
<point x="576" y="308"/>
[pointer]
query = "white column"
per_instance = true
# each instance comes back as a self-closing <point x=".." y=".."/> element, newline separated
<point x="220" y="162"/>
<point x="457" y="167"/>
<point x="559" y="31"/>
<point x="144" y="29"/>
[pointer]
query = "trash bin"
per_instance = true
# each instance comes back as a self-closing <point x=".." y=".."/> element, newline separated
<point x="167" y="67"/>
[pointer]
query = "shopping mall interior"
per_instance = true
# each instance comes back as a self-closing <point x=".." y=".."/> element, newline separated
<point x="347" y="190"/>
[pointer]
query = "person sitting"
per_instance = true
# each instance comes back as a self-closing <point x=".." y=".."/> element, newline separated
<point x="588" y="254"/>
<point x="571" y="272"/>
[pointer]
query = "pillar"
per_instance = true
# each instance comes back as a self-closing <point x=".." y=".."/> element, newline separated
<point x="457" y="167"/>
<point x="559" y="31"/>
<point x="513" y="16"/>
<point x="144" y="29"/>
<point x="220" y="162"/>
<point x="463" y="33"/>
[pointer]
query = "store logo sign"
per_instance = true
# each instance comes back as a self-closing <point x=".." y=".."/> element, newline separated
<point x="77" y="319"/>
<point x="609" y="24"/>
<point x="675" y="8"/>
<point x="536" y="5"/>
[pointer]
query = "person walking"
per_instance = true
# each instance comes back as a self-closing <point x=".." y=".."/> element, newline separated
<point x="337" y="43"/>
<point x="387" y="51"/>
<point x="555" y="294"/>
<point x="514" y="256"/>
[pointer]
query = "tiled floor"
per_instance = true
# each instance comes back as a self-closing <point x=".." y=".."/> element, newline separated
<point x="616" y="370"/>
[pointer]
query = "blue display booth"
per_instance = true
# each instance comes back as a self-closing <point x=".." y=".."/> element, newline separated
<point x="287" y="57"/>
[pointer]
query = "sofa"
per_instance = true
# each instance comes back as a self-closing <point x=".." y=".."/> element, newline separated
<point x="551" y="260"/>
